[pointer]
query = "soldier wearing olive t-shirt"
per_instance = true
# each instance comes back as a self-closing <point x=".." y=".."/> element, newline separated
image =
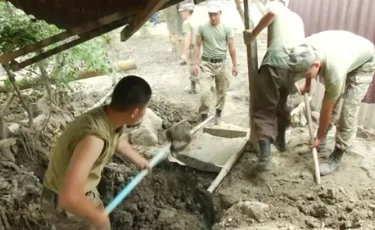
<point x="346" y="62"/>
<point x="189" y="31"/>
<point x="217" y="39"/>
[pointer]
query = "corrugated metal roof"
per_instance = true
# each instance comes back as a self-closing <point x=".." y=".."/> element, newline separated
<point x="356" y="16"/>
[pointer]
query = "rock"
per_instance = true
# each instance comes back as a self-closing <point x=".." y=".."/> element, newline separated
<point x="143" y="136"/>
<point x="152" y="121"/>
<point x="251" y="209"/>
<point x="167" y="214"/>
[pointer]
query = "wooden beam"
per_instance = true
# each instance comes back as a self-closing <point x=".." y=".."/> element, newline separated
<point x="252" y="65"/>
<point x="83" y="37"/>
<point x="61" y="36"/>
<point x="139" y="19"/>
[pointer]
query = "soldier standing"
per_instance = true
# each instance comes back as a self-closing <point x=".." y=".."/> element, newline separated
<point x="189" y="32"/>
<point x="217" y="39"/>
<point x="271" y="116"/>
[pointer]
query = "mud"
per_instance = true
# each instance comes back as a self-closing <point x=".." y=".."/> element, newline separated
<point x="172" y="197"/>
<point x="173" y="113"/>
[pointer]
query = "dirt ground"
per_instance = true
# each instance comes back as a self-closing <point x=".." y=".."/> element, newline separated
<point x="174" y="197"/>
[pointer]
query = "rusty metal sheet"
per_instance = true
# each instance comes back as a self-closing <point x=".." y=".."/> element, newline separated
<point x="356" y="16"/>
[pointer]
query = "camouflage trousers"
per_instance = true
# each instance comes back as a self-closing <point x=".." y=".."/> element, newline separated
<point x="190" y="66"/>
<point x="357" y="84"/>
<point x="213" y="73"/>
<point x="62" y="220"/>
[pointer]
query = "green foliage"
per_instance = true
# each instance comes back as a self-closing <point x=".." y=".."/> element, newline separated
<point x="17" y="30"/>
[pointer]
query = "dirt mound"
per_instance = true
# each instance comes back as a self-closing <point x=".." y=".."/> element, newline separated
<point x="173" y="113"/>
<point x="171" y="197"/>
<point x="342" y="201"/>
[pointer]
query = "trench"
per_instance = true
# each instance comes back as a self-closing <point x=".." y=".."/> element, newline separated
<point x="172" y="197"/>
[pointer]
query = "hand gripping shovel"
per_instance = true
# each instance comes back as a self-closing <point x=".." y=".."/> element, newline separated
<point x="179" y="136"/>
<point x="309" y="123"/>
<point x="128" y="188"/>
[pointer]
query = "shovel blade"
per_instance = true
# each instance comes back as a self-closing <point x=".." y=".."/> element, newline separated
<point x="179" y="136"/>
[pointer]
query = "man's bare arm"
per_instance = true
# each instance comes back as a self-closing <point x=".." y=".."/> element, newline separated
<point x="72" y="195"/>
<point x="187" y="39"/>
<point x="325" y="118"/>
<point x="197" y="48"/>
<point x="126" y="150"/>
<point x="266" y="20"/>
<point x="232" y="51"/>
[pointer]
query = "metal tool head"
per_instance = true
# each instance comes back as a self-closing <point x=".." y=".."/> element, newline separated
<point x="179" y="136"/>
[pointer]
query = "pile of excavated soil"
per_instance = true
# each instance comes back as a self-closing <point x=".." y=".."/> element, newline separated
<point x="172" y="113"/>
<point x="172" y="197"/>
<point x="344" y="200"/>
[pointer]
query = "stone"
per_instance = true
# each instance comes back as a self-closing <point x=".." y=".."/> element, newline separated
<point x="143" y="136"/>
<point x="152" y="121"/>
<point x="250" y="209"/>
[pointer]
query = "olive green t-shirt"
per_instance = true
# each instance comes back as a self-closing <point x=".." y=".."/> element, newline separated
<point x="342" y="52"/>
<point x="285" y="32"/>
<point x="94" y="122"/>
<point x="190" y="26"/>
<point x="215" y="39"/>
<point x="287" y="28"/>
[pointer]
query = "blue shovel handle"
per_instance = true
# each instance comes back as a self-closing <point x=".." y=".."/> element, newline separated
<point x="125" y="191"/>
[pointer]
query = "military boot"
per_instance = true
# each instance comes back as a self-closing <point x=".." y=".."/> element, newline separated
<point x="333" y="162"/>
<point x="280" y="142"/>
<point x="204" y="116"/>
<point x="218" y="117"/>
<point x="265" y="155"/>
<point x="193" y="89"/>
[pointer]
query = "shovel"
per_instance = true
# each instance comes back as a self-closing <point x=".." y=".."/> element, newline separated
<point x="180" y="136"/>
<point x="309" y="123"/>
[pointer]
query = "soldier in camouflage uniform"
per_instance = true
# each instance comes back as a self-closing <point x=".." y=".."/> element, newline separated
<point x="216" y="39"/>
<point x="346" y="62"/>
<point x="189" y="32"/>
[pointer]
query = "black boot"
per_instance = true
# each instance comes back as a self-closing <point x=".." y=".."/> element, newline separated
<point x="218" y="117"/>
<point x="193" y="89"/>
<point x="333" y="162"/>
<point x="265" y="155"/>
<point x="204" y="116"/>
<point x="280" y="142"/>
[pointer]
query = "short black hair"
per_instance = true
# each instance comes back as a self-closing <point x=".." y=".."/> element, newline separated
<point x="130" y="92"/>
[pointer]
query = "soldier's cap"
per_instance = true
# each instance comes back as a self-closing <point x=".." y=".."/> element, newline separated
<point x="187" y="7"/>
<point x="301" y="57"/>
<point x="213" y="7"/>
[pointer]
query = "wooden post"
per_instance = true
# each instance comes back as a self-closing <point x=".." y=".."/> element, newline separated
<point x="252" y="65"/>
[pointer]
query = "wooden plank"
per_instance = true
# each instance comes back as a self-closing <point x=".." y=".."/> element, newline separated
<point x="84" y="37"/>
<point x="140" y="19"/>
<point x="252" y="65"/>
<point x="227" y="133"/>
<point x="227" y="167"/>
<point x="61" y="36"/>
